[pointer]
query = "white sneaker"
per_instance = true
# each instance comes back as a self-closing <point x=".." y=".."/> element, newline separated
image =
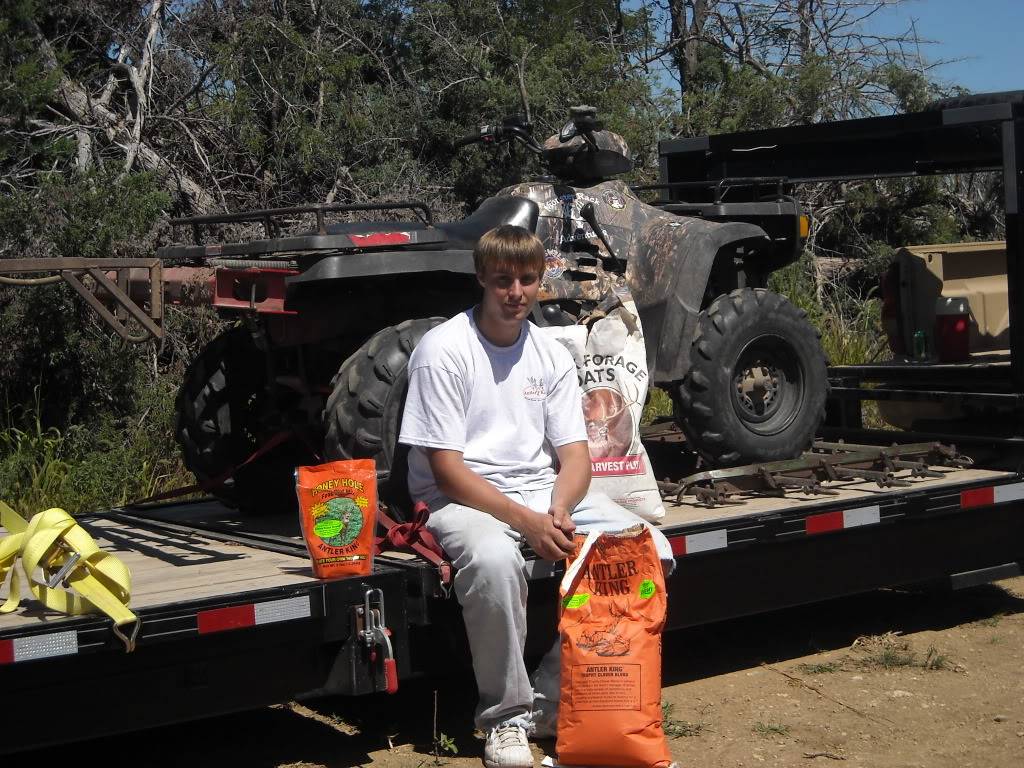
<point x="507" y="747"/>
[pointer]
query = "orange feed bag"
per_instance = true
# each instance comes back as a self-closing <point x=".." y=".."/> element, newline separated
<point x="613" y="611"/>
<point x="338" y="513"/>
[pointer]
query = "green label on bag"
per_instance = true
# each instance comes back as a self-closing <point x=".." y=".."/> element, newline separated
<point x="327" y="527"/>
<point x="576" y="601"/>
<point x="646" y="589"/>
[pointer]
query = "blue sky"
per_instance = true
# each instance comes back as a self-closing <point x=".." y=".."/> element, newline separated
<point x="983" y="36"/>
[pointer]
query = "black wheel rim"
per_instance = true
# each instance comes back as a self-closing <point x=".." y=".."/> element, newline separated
<point x="767" y="385"/>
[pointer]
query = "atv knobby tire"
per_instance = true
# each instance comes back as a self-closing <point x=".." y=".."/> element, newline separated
<point x="217" y="414"/>
<point x="364" y="411"/>
<point x="757" y="384"/>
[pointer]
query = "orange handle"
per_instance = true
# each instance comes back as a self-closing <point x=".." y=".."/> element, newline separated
<point x="390" y="676"/>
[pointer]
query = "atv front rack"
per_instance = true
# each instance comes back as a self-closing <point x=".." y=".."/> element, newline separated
<point x="825" y="462"/>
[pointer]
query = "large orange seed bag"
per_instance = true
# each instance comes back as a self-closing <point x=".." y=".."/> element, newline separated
<point x="338" y="513"/>
<point x="613" y="611"/>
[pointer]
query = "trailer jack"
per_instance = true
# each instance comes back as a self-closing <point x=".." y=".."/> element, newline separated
<point x="375" y="634"/>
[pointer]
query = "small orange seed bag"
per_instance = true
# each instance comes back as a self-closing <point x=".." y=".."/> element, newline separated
<point x="338" y="514"/>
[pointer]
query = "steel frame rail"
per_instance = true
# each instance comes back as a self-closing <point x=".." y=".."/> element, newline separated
<point x="125" y="310"/>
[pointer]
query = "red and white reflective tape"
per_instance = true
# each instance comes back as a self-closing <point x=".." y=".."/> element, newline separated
<point x="699" y="542"/>
<point x="38" y="647"/>
<point x="837" y="521"/>
<point x="253" y="614"/>
<point x="993" y="494"/>
<point x="381" y="238"/>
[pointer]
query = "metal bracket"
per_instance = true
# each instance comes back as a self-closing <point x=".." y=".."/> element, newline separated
<point x="71" y="270"/>
<point x="374" y="633"/>
<point x="60" y="577"/>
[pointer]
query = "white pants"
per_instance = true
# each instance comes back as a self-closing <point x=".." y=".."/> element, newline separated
<point x="490" y="584"/>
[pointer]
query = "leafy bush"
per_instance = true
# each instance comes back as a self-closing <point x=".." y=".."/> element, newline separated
<point x="109" y="462"/>
<point x="52" y="341"/>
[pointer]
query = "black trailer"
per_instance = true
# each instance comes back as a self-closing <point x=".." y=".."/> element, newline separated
<point x="742" y="173"/>
<point x="232" y="619"/>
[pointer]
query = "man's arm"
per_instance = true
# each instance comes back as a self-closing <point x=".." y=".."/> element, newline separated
<point x="462" y="485"/>
<point x="571" y="485"/>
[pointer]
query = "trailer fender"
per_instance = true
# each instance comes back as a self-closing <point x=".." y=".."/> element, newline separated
<point x="668" y="273"/>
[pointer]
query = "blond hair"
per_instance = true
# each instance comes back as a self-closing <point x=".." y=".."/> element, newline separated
<point x="509" y="248"/>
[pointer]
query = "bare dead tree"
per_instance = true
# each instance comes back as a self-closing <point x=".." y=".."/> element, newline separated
<point x="87" y="115"/>
<point x="779" y="39"/>
<point x="141" y="78"/>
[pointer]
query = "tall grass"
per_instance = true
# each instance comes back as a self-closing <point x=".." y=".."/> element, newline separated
<point x="32" y="468"/>
<point x="83" y="469"/>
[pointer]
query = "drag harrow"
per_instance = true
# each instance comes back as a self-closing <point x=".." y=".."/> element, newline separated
<point x="887" y="466"/>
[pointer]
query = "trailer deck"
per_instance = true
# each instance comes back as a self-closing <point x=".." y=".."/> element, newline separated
<point x="184" y="552"/>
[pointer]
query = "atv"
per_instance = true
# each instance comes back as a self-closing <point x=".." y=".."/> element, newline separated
<point x="317" y="366"/>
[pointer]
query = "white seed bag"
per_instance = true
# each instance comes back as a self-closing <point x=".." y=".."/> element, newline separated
<point x="611" y="363"/>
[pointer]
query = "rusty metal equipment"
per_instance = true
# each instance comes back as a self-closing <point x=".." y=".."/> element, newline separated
<point x="887" y="466"/>
<point x="104" y="285"/>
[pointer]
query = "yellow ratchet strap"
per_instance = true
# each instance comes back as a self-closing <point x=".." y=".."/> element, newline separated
<point x="69" y="559"/>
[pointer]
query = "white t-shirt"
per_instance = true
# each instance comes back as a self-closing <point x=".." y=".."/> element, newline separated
<point x="505" y="408"/>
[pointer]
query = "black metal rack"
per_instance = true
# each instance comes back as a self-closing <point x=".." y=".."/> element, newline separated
<point x="267" y="216"/>
<point x="280" y="240"/>
<point x="718" y="188"/>
<point x="977" y="133"/>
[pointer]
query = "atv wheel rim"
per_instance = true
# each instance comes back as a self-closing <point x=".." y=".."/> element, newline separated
<point x="767" y="385"/>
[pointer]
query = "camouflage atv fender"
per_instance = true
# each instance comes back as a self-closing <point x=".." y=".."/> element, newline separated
<point x="667" y="273"/>
<point x="669" y="260"/>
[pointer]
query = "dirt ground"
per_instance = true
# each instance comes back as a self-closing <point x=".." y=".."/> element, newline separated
<point x="890" y="679"/>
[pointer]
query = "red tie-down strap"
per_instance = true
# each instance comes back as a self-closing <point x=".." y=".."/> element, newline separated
<point x="415" y="536"/>
<point x="212" y="484"/>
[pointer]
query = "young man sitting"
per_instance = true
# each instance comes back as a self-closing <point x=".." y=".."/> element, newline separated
<point x="499" y="452"/>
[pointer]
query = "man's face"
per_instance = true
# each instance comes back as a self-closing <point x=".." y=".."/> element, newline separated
<point x="509" y="295"/>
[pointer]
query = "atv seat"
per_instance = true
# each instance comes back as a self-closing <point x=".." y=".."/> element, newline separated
<point x="493" y="212"/>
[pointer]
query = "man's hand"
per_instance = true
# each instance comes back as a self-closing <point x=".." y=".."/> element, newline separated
<point x="563" y="519"/>
<point x="571" y="484"/>
<point x="545" y="538"/>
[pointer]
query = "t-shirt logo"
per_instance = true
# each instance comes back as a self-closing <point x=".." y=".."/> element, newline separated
<point x="534" y="389"/>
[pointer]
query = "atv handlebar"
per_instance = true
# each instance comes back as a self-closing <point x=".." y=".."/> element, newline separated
<point x="466" y="140"/>
<point x="493" y="134"/>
